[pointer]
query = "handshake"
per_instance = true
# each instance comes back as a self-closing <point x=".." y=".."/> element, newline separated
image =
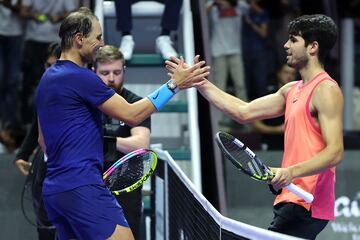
<point x="182" y="76"/>
<point x="186" y="76"/>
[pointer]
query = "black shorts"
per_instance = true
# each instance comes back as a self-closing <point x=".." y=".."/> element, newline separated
<point x="295" y="220"/>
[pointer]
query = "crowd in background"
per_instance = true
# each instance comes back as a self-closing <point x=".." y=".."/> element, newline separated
<point x="27" y="29"/>
<point x="247" y="38"/>
<point x="247" y="44"/>
<point x="263" y="32"/>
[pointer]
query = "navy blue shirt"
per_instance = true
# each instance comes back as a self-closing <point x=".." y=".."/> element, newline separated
<point x="66" y="101"/>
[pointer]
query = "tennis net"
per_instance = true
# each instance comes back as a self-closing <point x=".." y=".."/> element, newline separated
<point x="183" y="213"/>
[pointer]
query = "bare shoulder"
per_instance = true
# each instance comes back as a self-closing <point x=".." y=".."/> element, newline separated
<point x="327" y="93"/>
<point x="285" y="89"/>
<point x="327" y="89"/>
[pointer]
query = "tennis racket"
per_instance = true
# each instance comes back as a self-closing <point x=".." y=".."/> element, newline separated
<point x="32" y="204"/>
<point x="131" y="171"/>
<point x="245" y="160"/>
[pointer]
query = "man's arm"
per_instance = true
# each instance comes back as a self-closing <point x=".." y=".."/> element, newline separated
<point x="328" y="101"/>
<point x="27" y="148"/>
<point x="269" y="106"/>
<point x="140" y="138"/>
<point x="133" y="114"/>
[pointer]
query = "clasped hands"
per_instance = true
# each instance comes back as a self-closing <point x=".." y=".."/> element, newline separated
<point x="187" y="76"/>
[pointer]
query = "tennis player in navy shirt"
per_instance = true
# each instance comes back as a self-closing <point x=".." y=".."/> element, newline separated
<point x="69" y="102"/>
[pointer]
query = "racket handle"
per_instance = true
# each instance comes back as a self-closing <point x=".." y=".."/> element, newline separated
<point x="308" y="197"/>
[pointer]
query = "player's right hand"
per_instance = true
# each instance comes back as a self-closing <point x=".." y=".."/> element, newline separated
<point x="23" y="166"/>
<point x="195" y="75"/>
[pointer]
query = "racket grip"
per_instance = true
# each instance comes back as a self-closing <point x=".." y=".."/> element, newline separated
<point x="308" y="197"/>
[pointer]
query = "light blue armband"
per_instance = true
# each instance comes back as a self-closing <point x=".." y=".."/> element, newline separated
<point x="161" y="96"/>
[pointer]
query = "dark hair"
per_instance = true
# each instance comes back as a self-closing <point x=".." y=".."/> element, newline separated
<point x="76" y="22"/>
<point x="316" y="27"/>
<point x="54" y="49"/>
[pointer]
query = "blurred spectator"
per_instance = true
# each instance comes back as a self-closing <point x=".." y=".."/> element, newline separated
<point x="255" y="32"/>
<point x="226" y="24"/>
<point x="11" y="30"/>
<point x="11" y="136"/>
<point x="43" y="22"/>
<point x="351" y="9"/>
<point x="169" y="22"/>
<point x="272" y="129"/>
<point x="281" y="12"/>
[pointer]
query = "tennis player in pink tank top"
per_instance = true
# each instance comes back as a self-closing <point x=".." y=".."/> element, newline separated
<point x="313" y="110"/>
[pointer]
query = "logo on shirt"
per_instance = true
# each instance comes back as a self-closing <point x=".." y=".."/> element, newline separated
<point x="295" y="100"/>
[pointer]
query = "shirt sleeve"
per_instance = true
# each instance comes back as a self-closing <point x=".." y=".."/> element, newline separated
<point x="93" y="90"/>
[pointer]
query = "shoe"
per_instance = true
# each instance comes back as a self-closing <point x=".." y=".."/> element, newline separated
<point x="127" y="46"/>
<point x="164" y="47"/>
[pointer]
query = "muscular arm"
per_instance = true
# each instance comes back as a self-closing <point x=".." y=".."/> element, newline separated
<point x="328" y="101"/>
<point x="140" y="138"/>
<point x="131" y="113"/>
<point x="269" y="106"/>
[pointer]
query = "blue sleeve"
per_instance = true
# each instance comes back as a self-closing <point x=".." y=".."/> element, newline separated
<point x="94" y="90"/>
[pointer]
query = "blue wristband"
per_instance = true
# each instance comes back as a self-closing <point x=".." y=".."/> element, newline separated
<point x="160" y="96"/>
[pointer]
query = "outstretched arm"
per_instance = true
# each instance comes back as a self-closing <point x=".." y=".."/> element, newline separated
<point x="133" y="114"/>
<point x="269" y="106"/>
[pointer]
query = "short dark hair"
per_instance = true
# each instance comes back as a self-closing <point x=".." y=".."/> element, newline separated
<point x="108" y="54"/>
<point x="316" y="27"/>
<point x="54" y="49"/>
<point x="76" y="22"/>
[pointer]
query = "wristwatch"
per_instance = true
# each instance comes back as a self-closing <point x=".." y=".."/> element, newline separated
<point x="171" y="84"/>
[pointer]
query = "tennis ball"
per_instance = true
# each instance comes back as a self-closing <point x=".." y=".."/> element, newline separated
<point x="42" y="18"/>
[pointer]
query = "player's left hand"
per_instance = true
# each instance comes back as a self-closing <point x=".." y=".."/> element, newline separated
<point x="282" y="178"/>
<point x="195" y="75"/>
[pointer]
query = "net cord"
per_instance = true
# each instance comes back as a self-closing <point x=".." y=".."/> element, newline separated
<point x="242" y="229"/>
